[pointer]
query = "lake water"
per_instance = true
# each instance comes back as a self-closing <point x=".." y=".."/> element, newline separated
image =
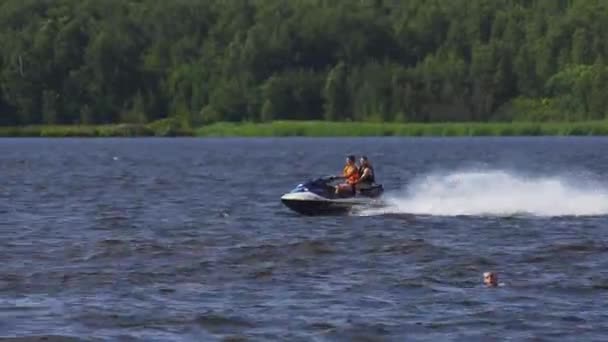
<point x="186" y="240"/>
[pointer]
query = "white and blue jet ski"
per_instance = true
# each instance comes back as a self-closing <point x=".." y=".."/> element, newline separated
<point x="318" y="197"/>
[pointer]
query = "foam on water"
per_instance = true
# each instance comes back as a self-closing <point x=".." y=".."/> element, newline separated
<point x="498" y="193"/>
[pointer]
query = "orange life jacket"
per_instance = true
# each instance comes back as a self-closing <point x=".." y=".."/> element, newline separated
<point x="351" y="174"/>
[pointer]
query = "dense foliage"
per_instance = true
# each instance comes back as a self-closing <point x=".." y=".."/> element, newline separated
<point x="201" y="61"/>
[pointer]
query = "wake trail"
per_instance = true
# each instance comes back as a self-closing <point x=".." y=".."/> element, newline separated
<point x="497" y="193"/>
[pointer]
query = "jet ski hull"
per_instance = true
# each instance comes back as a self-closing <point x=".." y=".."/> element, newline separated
<point x="311" y="208"/>
<point x="312" y="205"/>
<point x="314" y="208"/>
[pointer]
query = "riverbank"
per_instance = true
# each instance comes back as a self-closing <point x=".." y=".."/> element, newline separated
<point x="161" y="128"/>
<point x="316" y="129"/>
<point x="362" y="129"/>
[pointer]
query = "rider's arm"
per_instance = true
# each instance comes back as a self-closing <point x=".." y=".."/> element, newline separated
<point x="364" y="175"/>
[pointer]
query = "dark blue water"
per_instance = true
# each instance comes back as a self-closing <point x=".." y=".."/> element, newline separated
<point x="186" y="240"/>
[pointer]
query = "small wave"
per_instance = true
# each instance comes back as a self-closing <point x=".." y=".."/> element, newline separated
<point x="497" y="193"/>
<point x="561" y="250"/>
<point x="262" y="274"/>
<point x="322" y="326"/>
<point x="116" y="248"/>
<point x="213" y="320"/>
<point x="587" y="247"/>
<point x="268" y="252"/>
<point x="407" y="246"/>
<point x="43" y="338"/>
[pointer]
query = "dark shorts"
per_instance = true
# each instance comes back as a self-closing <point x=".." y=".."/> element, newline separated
<point x="363" y="186"/>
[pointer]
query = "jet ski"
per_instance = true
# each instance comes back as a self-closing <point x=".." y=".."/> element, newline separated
<point x="318" y="197"/>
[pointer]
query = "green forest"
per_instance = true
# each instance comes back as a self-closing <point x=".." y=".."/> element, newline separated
<point x="198" y="62"/>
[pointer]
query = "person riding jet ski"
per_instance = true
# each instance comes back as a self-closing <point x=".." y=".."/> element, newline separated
<point x="351" y="174"/>
<point x="366" y="178"/>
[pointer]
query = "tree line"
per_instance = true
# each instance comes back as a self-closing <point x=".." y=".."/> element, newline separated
<point x="202" y="61"/>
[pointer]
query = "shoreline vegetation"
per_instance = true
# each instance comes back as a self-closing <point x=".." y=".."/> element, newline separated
<point x="205" y="63"/>
<point x="165" y="128"/>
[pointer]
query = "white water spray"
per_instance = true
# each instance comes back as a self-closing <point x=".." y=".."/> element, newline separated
<point x="498" y="193"/>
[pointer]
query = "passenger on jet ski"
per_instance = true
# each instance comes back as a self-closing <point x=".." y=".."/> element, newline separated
<point x="351" y="174"/>
<point x="366" y="174"/>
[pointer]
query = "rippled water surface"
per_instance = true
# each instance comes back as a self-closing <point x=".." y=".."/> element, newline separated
<point x="186" y="240"/>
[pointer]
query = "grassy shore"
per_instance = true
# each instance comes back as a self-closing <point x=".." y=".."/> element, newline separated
<point x="316" y="129"/>
<point x="161" y="128"/>
<point x="360" y="129"/>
